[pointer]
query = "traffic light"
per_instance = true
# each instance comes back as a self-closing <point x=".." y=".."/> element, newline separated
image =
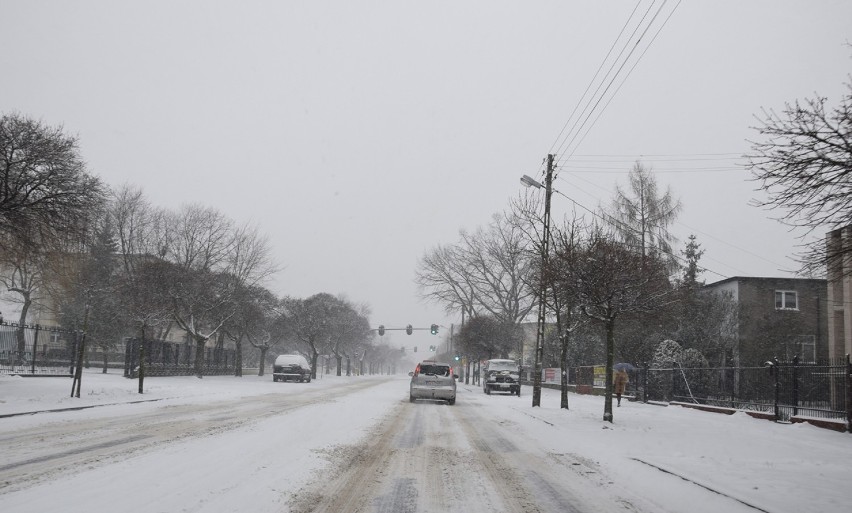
<point x="434" y="329"/>
<point x="408" y="330"/>
<point x="456" y="358"/>
<point x="402" y="349"/>
<point x="381" y="330"/>
<point x="415" y="349"/>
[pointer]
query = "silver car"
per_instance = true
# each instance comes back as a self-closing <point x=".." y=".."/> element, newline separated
<point x="433" y="380"/>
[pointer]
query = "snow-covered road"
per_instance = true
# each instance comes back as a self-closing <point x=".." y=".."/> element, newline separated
<point x="357" y="444"/>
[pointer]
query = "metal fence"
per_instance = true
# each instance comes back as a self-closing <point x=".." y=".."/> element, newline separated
<point x="783" y="389"/>
<point x="36" y="350"/>
<point x="33" y="350"/>
<point x="174" y="359"/>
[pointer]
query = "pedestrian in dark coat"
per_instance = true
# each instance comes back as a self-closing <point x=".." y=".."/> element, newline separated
<point x="621" y="380"/>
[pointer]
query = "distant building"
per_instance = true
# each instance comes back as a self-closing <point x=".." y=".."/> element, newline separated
<point x="778" y="317"/>
<point x="839" y="273"/>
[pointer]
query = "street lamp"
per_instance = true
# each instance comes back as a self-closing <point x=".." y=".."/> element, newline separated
<point x="542" y="292"/>
<point x="528" y="181"/>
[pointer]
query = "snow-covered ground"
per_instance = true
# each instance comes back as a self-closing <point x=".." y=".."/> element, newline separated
<point x="247" y="444"/>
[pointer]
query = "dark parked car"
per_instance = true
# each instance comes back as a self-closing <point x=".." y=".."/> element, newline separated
<point x="291" y="367"/>
<point x="501" y="376"/>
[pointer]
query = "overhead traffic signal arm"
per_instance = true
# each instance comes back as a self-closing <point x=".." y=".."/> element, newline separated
<point x="408" y="329"/>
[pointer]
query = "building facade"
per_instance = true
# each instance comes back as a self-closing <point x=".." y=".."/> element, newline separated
<point x="839" y="269"/>
<point x="778" y="317"/>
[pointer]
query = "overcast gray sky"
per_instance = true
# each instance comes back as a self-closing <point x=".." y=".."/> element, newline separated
<point x="360" y="134"/>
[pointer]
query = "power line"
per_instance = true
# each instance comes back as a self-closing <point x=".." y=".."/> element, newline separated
<point x="656" y="155"/>
<point x="780" y="266"/>
<point x="594" y="78"/>
<point x="618" y="170"/>
<point x="616" y="76"/>
<point x="607" y="76"/>
<point x="609" y="219"/>
<point x="631" y="70"/>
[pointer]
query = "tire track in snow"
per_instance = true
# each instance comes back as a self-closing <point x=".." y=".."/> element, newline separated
<point x="58" y="448"/>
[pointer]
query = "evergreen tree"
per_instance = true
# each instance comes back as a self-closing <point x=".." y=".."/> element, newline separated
<point x="641" y="216"/>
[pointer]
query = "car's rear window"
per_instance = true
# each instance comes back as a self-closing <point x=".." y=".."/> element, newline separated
<point x="434" y="370"/>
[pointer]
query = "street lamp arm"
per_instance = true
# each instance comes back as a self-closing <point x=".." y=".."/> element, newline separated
<point x="528" y="181"/>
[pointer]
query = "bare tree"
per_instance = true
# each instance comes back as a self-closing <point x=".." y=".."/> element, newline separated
<point x="444" y="278"/>
<point x="611" y="280"/>
<point x="142" y="242"/>
<point x="134" y="219"/>
<point x="202" y="288"/>
<point x="202" y="302"/>
<point x="502" y="267"/>
<point x="46" y="195"/>
<point x="488" y="271"/>
<point x="248" y="264"/>
<point x="85" y="286"/>
<point x="349" y="328"/>
<point x="309" y="321"/>
<point x="804" y="163"/>
<point x="256" y="310"/>
<point x="201" y="238"/>
<point x="564" y="297"/>
<point x="249" y="257"/>
<point x="486" y="337"/>
<point x="144" y="297"/>
<point x="22" y="278"/>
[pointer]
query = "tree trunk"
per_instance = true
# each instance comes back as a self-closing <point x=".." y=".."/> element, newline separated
<point x="238" y="357"/>
<point x="262" y="365"/>
<point x="141" y="359"/>
<point x="20" y="333"/>
<point x="610" y="355"/>
<point x="563" y="361"/>
<point x="339" y="359"/>
<point x="200" y="344"/>
<point x="563" y="403"/>
<point x="314" y="358"/>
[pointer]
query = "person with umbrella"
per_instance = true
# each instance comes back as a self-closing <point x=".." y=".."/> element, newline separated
<point x="621" y="380"/>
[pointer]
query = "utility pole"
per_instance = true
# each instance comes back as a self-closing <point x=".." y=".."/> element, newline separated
<point x="542" y="292"/>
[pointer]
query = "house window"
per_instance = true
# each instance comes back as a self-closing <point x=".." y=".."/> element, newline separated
<point x="786" y="300"/>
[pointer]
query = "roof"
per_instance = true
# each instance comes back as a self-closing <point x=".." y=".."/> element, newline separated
<point x="738" y="279"/>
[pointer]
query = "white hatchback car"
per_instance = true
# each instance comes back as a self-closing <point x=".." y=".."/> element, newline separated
<point x="433" y="380"/>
